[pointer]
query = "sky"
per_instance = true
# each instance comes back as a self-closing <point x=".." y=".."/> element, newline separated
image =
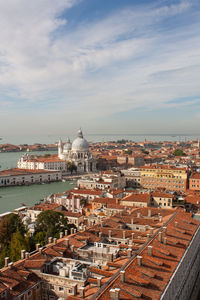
<point x="109" y="66"/>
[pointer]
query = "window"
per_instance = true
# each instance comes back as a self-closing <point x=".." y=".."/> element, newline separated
<point x="61" y="288"/>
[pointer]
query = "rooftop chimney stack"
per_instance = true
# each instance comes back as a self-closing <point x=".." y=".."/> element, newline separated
<point x="109" y="233"/>
<point x="67" y="243"/>
<point x="124" y="234"/>
<point x="54" y="240"/>
<point x="165" y="241"/>
<point x="139" y="260"/>
<point x="37" y="246"/>
<point x="50" y="240"/>
<point x="160" y="237"/>
<point x="150" y="250"/>
<point x="27" y="255"/>
<point x="114" y="294"/>
<point x="122" y="276"/>
<point x="10" y="265"/>
<point x="23" y="254"/>
<point x="7" y="260"/>
<point x="149" y="213"/>
<point x="61" y="235"/>
<point x="66" y="232"/>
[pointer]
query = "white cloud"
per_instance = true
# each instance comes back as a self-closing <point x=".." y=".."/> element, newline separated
<point x="122" y="62"/>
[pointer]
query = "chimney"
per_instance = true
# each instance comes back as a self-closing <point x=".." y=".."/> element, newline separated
<point x="165" y="241"/>
<point x="150" y="250"/>
<point x="72" y="230"/>
<point x="54" y="240"/>
<point x="139" y="215"/>
<point x="66" y="232"/>
<point x="7" y="260"/>
<point x="132" y="235"/>
<point x="67" y="243"/>
<point x="61" y="235"/>
<point x="75" y="230"/>
<point x="160" y="219"/>
<point x="99" y="282"/>
<point x="74" y="290"/>
<point x="160" y="237"/>
<point x="122" y="276"/>
<point x="72" y="248"/>
<point x="37" y="246"/>
<point x="139" y="260"/>
<point x="10" y="265"/>
<point x="146" y="227"/>
<point x="148" y="235"/>
<point x="109" y="233"/>
<point x="40" y="250"/>
<point x="27" y="255"/>
<point x="124" y="234"/>
<point x="82" y="291"/>
<point x="176" y="224"/>
<point x="149" y="213"/>
<point x="100" y="235"/>
<point x="50" y="240"/>
<point x="23" y="254"/>
<point x="129" y="252"/>
<point x="165" y="231"/>
<point x="132" y="221"/>
<point x="114" y="294"/>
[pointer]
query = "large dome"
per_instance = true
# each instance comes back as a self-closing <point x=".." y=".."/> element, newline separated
<point x="80" y="144"/>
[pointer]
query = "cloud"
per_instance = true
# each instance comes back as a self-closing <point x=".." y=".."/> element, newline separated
<point x="131" y="58"/>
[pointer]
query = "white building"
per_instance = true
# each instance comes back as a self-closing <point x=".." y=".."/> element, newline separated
<point x="78" y="154"/>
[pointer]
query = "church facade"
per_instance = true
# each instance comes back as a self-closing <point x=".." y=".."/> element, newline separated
<point x="77" y="153"/>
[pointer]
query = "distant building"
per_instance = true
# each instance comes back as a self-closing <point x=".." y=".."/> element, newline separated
<point x="164" y="176"/>
<point x="16" y="176"/>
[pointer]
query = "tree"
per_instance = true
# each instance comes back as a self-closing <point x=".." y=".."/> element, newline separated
<point x="71" y="167"/>
<point x="49" y="223"/>
<point x="17" y="244"/>
<point x="8" y="226"/>
<point x="179" y="152"/>
<point x="129" y="152"/>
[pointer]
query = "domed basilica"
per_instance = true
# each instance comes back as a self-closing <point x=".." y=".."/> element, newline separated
<point x="77" y="153"/>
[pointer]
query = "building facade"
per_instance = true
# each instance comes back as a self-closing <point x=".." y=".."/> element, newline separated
<point x="164" y="176"/>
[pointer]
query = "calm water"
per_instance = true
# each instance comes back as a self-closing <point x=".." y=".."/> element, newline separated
<point x="13" y="197"/>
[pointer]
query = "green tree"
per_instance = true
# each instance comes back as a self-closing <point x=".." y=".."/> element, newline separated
<point x="18" y="243"/>
<point x="49" y="223"/>
<point x="129" y="152"/>
<point x="179" y="152"/>
<point x="71" y="167"/>
<point x="8" y="226"/>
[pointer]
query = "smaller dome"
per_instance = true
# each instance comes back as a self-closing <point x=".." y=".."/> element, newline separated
<point x="67" y="145"/>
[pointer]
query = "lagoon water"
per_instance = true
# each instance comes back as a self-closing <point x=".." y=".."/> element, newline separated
<point x="13" y="197"/>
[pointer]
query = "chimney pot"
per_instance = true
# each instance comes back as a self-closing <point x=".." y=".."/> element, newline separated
<point x="82" y="292"/>
<point x="66" y="232"/>
<point x="67" y="243"/>
<point x="122" y="276"/>
<point x="165" y="241"/>
<point x="27" y="255"/>
<point x="50" y="240"/>
<point x="7" y="260"/>
<point x="149" y="213"/>
<point x="176" y="224"/>
<point x="61" y="235"/>
<point x="139" y="260"/>
<point x="150" y="250"/>
<point x="23" y="254"/>
<point x="99" y="282"/>
<point x="54" y="240"/>
<point x="10" y="265"/>
<point x="124" y="234"/>
<point x="37" y="246"/>
<point x="160" y="237"/>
